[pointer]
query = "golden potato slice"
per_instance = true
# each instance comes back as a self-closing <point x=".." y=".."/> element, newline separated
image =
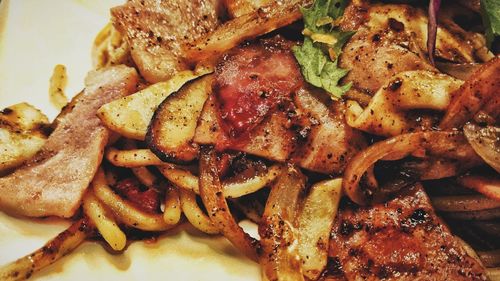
<point x="172" y="129"/>
<point x="130" y="116"/>
<point x="23" y="131"/>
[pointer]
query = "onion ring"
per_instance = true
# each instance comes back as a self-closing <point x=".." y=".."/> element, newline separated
<point x="213" y="198"/>
<point x="449" y="145"/>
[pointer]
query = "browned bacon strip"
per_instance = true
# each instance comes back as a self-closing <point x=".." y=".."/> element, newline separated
<point x="402" y="239"/>
<point x="53" y="182"/>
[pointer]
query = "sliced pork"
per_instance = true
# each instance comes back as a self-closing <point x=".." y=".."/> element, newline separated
<point x="156" y="30"/>
<point x="262" y="106"/>
<point x="402" y="239"/>
<point x="53" y="182"/>
<point x="252" y="81"/>
<point x="374" y="57"/>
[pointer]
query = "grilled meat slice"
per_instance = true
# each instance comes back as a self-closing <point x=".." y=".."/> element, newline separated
<point x="402" y="239"/>
<point x="53" y="181"/>
<point x="271" y="139"/>
<point x="329" y="143"/>
<point x="156" y="30"/>
<point x="262" y="106"/>
<point x="392" y="38"/>
<point x="375" y="56"/>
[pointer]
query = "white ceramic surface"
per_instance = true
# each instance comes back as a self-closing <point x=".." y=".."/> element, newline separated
<point x="35" y="35"/>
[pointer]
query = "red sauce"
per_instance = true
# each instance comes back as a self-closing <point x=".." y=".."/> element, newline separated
<point x="144" y="198"/>
<point x="251" y="81"/>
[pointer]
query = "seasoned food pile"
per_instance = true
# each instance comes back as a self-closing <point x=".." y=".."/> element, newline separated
<point x="361" y="137"/>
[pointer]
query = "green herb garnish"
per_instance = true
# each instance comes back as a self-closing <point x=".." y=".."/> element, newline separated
<point x="490" y="10"/>
<point x="318" y="55"/>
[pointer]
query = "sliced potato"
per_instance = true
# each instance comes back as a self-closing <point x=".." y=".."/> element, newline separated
<point x="172" y="128"/>
<point x="130" y="116"/>
<point x="315" y="223"/>
<point x="22" y="133"/>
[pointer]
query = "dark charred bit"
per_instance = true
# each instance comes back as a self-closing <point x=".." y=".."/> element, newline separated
<point x="49" y="249"/>
<point x="346" y="228"/>
<point x="333" y="268"/>
<point x="6" y="111"/>
<point x="85" y="226"/>
<point x="396" y="25"/>
<point x="418" y="217"/>
<point x="46" y="129"/>
<point x="396" y="84"/>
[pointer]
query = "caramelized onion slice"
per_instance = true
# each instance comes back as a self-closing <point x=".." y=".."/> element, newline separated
<point x="490" y="186"/>
<point x="462" y="71"/>
<point x="315" y="223"/>
<point x="486" y="142"/>
<point x="213" y="198"/>
<point x="432" y="28"/>
<point x="439" y="144"/>
<point x="232" y="188"/>
<point x="280" y="258"/>
<point x="475" y="93"/>
<point x="464" y="203"/>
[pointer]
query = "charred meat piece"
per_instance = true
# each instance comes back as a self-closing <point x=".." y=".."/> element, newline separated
<point x="272" y="138"/>
<point x="373" y="57"/>
<point x="53" y="181"/>
<point x="262" y="106"/>
<point x="329" y="143"/>
<point x="252" y="81"/>
<point x="402" y="239"/>
<point x="156" y="30"/>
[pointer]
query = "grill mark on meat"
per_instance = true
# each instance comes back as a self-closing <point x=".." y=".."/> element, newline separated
<point x="156" y="30"/>
<point x="54" y="180"/>
<point x="402" y="239"/>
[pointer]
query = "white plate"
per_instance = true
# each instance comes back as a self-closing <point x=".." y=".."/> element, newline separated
<point x="36" y="35"/>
